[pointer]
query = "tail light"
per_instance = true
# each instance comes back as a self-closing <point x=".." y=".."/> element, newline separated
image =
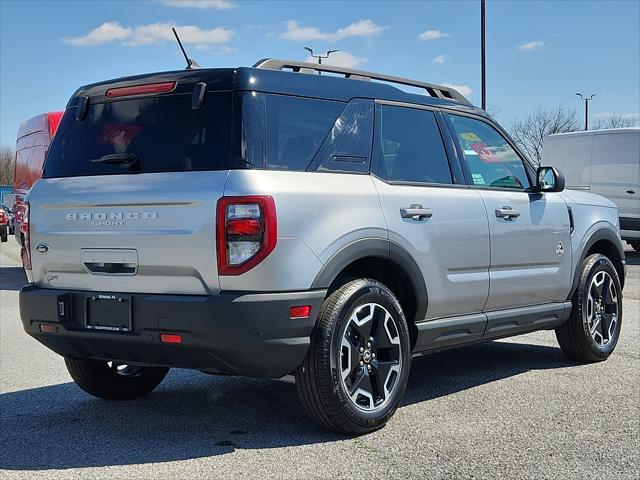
<point x="24" y="231"/>
<point x="3" y="217"/>
<point x="246" y="232"/>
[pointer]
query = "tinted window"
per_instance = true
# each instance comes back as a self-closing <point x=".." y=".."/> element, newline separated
<point x="163" y="132"/>
<point x="491" y="160"/>
<point x="347" y="148"/>
<point x="410" y="147"/>
<point x="296" y="127"/>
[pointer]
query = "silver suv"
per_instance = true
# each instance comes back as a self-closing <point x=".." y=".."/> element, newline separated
<point x="266" y="221"/>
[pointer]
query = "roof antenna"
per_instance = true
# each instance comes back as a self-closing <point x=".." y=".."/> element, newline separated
<point x="191" y="64"/>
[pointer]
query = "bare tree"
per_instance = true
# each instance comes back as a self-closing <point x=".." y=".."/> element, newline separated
<point x="530" y="133"/>
<point x="615" y="120"/>
<point x="493" y="110"/>
<point x="7" y="157"/>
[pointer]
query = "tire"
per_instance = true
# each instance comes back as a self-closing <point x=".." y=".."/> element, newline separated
<point x="635" y="245"/>
<point x="592" y="331"/>
<point x="334" y="382"/>
<point x="113" y="381"/>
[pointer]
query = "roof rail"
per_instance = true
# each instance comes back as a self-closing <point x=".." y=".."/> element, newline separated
<point x="438" y="91"/>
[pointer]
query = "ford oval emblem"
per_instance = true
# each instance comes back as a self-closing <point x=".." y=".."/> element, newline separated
<point x="42" y="248"/>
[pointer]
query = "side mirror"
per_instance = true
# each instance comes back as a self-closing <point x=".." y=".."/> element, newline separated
<point x="549" y="179"/>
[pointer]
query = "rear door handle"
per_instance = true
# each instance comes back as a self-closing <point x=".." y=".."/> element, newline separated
<point x="507" y="213"/>
<point x="416" y="212"/>
<point x="631" y="192"/>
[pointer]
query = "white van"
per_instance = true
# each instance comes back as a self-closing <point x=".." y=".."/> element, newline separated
<point x="606" y="162"/>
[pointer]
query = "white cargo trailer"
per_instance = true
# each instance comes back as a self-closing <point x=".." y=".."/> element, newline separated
<point x="606" y="162"/>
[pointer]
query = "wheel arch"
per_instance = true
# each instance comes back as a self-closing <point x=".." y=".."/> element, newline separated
<point x="606" y="242"/>
<point x="385" y="261"/>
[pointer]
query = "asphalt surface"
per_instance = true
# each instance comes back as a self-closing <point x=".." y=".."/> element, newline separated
<point x="514" y="408"/>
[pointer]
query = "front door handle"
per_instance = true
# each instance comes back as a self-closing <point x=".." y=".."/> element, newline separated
<point x="416" y="212"/>
<point x="631" y="192"/>
<point x="507" y="213"/>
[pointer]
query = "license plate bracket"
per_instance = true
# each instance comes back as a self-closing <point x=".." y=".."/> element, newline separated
<point x="109" y="312"/>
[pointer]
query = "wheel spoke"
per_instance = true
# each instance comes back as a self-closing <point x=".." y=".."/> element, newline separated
<point x="362" y="382"/>
<point x="598" y="284"/>
<point x="381" y="375"/>
<point x="605" y="289"/>
<point x="606" y="326"/>
<point x="612" y="297"/>
<point x="361" y="321"/>
<point x="385" y="334"/>
<point x="594" y="326"/>
<point x="349" y="356"/>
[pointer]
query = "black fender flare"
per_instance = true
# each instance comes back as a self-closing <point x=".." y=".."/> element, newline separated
<point x="600" y="234"/>
<point x="380" y="248"/>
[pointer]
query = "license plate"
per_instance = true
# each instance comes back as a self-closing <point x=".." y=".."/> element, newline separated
<point x="109" y="311"/>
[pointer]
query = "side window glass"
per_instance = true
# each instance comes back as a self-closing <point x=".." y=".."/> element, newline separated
<point x="347" y="148"/>
<point x="410" y="147"/>
<point x="251" y="130"/>
<point x="295" y="129"/>
<point x="491" y="160"/>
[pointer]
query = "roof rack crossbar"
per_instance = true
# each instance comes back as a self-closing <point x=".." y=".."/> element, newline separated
<point x="437" y="91"/>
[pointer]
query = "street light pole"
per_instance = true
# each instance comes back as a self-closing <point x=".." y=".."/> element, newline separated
<point x="320" y="57"/>
<point x="586" y="108"/>
<point x="482" y="54"/>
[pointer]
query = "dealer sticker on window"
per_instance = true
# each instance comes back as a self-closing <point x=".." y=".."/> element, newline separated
<point x="478" y="179"/>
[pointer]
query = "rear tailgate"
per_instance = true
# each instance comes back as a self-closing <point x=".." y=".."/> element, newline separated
<point x="147" y="233"/>
<point x="127" y="200"/>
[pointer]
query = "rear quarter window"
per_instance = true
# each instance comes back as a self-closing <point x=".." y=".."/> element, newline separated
<point x="296" y="127"/>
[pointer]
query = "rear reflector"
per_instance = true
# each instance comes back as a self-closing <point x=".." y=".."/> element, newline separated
<point x="46" y="328"/>
<point x="302" y="311"/>
<point x="170" y="338"/>
<point x="140" y="89"/>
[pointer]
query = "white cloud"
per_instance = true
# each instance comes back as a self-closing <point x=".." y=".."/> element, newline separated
<point x="201" y="4"/>
<point x="463" y="89"/>
<point x="363" y="28"/>
<point x="439" y="59"/>
<point x="106" y="33"/>
<point x="341" y="59"/>
<point x="432" y="35"/>
<point x="528" y="47"/>
<point x="152" y="33"/>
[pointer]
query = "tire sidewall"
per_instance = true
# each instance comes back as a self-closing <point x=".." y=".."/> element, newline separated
<point x="369" y="292"/>
<point x="600" y="263"/>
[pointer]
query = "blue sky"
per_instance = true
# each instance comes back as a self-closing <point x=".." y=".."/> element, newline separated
<point x="539" y="54"/>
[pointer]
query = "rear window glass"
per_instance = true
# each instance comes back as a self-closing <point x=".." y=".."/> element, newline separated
<point x="163" y="133"/>
<point x="410" y="148"/>
<point x="296" y="127"/>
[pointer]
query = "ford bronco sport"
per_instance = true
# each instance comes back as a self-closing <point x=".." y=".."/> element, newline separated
<point x="266" y="221"/>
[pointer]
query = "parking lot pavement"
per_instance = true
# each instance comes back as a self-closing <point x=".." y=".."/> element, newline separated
<point x="513" y="408"/>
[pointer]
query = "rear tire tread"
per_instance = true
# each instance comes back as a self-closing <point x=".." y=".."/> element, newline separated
<point x="97" y="379"/>
<point x="317" y="391"/>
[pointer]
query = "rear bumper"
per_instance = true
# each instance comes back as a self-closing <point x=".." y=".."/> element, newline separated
<point x="232" y="333"/>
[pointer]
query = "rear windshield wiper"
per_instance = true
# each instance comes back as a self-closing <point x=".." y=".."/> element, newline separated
<point x="125" y="159"/>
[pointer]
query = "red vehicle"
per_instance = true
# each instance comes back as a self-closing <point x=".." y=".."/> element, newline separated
<point x="34" y="137"/>
<point x="4" y="227"/>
